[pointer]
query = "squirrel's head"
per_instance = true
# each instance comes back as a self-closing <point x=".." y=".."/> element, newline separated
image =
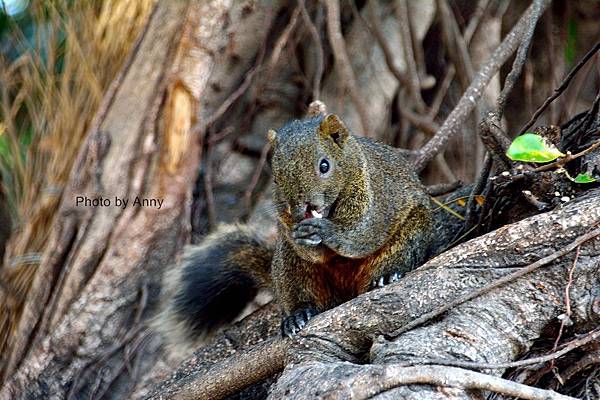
<point x="312" y="160"/>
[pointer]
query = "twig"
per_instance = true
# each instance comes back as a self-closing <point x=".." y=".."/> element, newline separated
<point x="569" y="157"/>
<point x="587" y="361"/>
<point x="257" y="172"/>
<point x="441" y="92"/>
<point x="392" y="376"/>
<point x="538" y="8"/>
<point x="568" y="347"/>
<point x="560" y="89"/>
<point x="442" y="188"/>
<point x="478" y="14"/>
<point x="202" y="126"/>
<point x="282" y="41"/>
<point x="373" y="27"/>
<point x="455" y="43"/>
<point x="422" y="122"/>
<point x="208" y="188"/>
<point x="567" y="314"/>
<point x="343" y="65"/>
<point x="446" y="208"/>
<point x="478" y="188"/>
<point x="497" y="283"/>
<point x="236" y="372"/>
<point x="314" y="33"/>
<point x="403" y="17"/>
<point x="469" y="99"/>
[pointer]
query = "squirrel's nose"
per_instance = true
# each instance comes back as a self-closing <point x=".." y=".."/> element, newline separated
<point x="317" y="201"/>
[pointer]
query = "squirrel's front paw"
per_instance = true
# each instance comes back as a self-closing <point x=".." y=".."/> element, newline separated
<point x="385" y="280"/>
<point x="312" y="231"/>
<point x="292" y="324"/>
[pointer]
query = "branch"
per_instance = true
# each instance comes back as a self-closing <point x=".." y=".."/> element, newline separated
<point x="343" y="64"/>
<point x="314" y="33"/>
<point x="456" y="44"/>
<point x="402" y="14"/>
<point x="498" y="283"/>
<point x="469" y="99"/>
<point x="560" y="89"/>
<point x="442" y="188"/>
<point x="475" y="20"/>
<point x="233" y="374"/>
<point x="538" y="8"/>
<point x="202" y="126"/>
<point x="348" y="331"/>
<point x="567" y="348"/>
<point x="384" y="378"/>
<point x="282" y="41"/>
<point x="496" y="141"/>
<point x="374" y="28"/>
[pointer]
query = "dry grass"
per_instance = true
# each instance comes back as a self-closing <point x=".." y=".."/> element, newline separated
<point x="48" y="97"/>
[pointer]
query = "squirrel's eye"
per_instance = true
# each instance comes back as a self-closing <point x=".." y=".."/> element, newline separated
<point x="324" y="166"/>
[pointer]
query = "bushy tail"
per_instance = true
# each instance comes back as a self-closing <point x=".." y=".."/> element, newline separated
<point x="212" y="285"/>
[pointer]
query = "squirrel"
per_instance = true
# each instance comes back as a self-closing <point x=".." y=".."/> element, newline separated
<point x="351" y="216"/>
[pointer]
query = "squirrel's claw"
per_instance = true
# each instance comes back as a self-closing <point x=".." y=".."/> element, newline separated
<point x="312" y="240"/>
<point x="393" y="277"/>
<point x="385" y="280"/>
<point x="310" y="226"/>
<point x="292" y="324"/>
<point x="311" y="231"/>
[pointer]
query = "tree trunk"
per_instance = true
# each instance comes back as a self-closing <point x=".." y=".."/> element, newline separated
<point x="204" y="70"/>
<point x="100" y="271"/>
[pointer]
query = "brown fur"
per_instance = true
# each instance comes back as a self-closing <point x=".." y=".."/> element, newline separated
<point x="339" y="279"/>
<point x="342" y="230"/>
<point x="380" y="221"/>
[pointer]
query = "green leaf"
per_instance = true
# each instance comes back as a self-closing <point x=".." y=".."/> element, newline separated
<point x="530" y="147"/>
<point x="584" y="178"/>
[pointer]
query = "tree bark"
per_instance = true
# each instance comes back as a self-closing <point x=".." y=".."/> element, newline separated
<point x="345" y="350"/>
<point x="100" y="271"/>
<point x="83" y="331"/>
<point x="496" y="327"/>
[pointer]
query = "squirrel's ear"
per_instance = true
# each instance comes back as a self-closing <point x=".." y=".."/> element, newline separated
<point x="272" y="136"/>
<point x="333" y="128"/>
